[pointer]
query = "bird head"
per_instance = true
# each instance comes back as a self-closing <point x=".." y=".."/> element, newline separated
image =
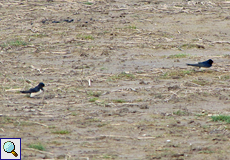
<point x="41" y="84"/>
<point x="210" y="61"/>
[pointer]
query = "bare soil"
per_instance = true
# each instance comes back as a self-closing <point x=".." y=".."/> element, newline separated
<point x="117" y="84"/>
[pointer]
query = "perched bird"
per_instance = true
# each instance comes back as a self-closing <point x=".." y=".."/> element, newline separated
<point x="35" y="91"/>
<point x="205" y="64"/>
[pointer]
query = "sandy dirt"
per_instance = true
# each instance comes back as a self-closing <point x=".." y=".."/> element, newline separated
<point x="117" y="84"/>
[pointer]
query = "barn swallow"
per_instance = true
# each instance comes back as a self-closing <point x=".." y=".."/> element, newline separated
<point x="35" y="91"/>
<point x="205" y="64"/>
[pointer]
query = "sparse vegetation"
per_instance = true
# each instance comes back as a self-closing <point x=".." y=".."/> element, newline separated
<point x="119" y="101"/>
<point x="102" y="124"/>
<point x="61" y="132"/>
<point x="55" y="142"/>
<point x="225" y="77"/>
<point x="93" y="120"/>
<point x="14" y="43"/>
<point x="122" y="75"/>
<point x="189" y="46"/>
<point x="176" y="73"/>
<point x="108" y="156"/>
<point x="103" y="68"/>
<point x="201" y="82"/>
<point x="110" y="93"/>
<point x="73" y="113"/>
<point x="39" y="35"/>
<point x="52" y="127"/>
<point x="24" y="123"/>
<point x="132" y="27"/>
<point x="93" y="99"/>
<point x="206" y="152"/>
<point x="87" y="3"/>
<point x="180" y="55"/>
<point x="7" y="119"/>
<point x="86" y="37"/>
<point x="158" y="95"/>
<point x="37" y="146"/>
<point x="94" y="93"/>
<point x="226" y="56"/>
<point x="180" y="113"/>
<point x="222" y="118"/>
<point x="201" y="114"/>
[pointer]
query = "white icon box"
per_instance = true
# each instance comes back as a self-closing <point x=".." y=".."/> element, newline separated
<point x="10" y="148"/>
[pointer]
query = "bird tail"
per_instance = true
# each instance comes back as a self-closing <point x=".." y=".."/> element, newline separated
<point x="25" y="91"/>
<point x="192" y="65"/>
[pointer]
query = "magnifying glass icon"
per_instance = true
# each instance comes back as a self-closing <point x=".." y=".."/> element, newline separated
<point x="9" y="147"/>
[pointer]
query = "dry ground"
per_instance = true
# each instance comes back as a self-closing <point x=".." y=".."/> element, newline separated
<point x="143" y="102"/>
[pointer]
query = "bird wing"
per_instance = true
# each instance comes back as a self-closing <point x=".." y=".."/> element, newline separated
<point x="25" y="91"/>
<point x="204" y="64"/>
<point x="36" y="89"/>
<point x="31" y="90"/>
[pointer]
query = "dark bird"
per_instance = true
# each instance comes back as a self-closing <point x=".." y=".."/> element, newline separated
<point x="35" y="91"/>
<point x="205" y="64"/>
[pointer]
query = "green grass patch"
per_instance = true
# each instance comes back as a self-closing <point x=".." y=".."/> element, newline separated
<point x="180" y="55"/>
<point x="86" y="37"/>
<point x="37" y="146"/>
<point x="17" y="43"/>
<point x="178" y="5"/>
<point x="180" y="113"/>
<point x="158" y="95"/>
<point x="94" y="94"/>
<point x="205" y="152"/>
<point x="201" y="82"/>
<point x="14" y="43"/>
<point x="165" y="34"/>
<point x="205" y="126"/>
<point x="39" y="35"/>
<point x="61" y="132"/>
<point x="102" y="124"/>
<point x="201" y="114"/>
<point x="195" y="39"/>
<point x="138" y="100"/>
<point x="55" y="142"/>
<point x="93" y="120"/>
<point x="108" y="156"/>
<point x="225" y="77"/>
<point x="103" y="68"/>
<point x="222" y="118"/>
<point x="177" y="73"/>
<point x="119" y="101"/>
<point x="226" y="56"/>
<point x="73" y="113"/>
<point x="122" y="75"/>
<point x="189" y="46"/>
<point x="132" y="27"/>
<point x="6" y="120"/>
<point x="51" y="127"/>
<point x="93" y="99"/>
<point x="88" y="3"/>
